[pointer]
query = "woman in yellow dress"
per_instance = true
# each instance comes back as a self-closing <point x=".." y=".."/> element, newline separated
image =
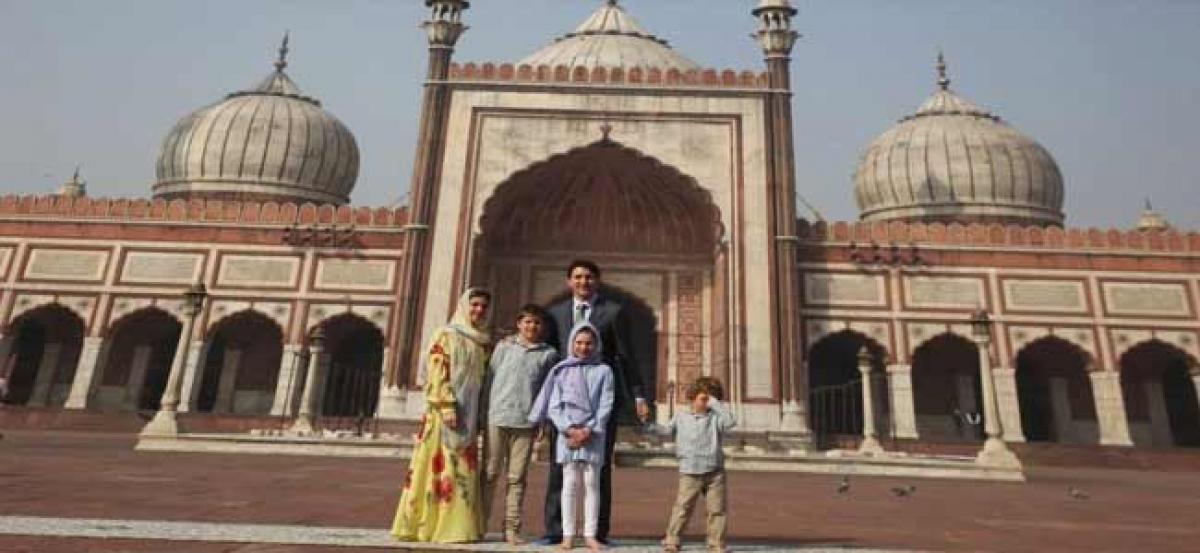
<point x="440" y="501"/>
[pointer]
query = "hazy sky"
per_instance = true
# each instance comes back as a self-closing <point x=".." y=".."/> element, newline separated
<point x="1111" y="88"/>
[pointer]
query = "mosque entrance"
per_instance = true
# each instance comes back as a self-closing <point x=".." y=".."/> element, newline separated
<point x="1055" y="393"/>
<point x="241" y="365"/>
<point x="947" y="395"/>
<point x="835" y="386"/>
<point x="41" y="363"/>
<point x="1160" y="395"/>
<point x="351" y="383"/>
<point x="139" y="360"/>
<point x="654" y="232"/>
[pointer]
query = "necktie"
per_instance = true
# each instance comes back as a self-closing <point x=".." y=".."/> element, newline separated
<point x="580" y="313"/>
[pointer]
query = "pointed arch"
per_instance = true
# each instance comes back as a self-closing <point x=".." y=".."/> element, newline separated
<point x="1159" y="382"/>
<point x="947" y="395"/>
<point x="601" y="197"/>
<point x="48" y="339"/>
<point x="1054" y="391"/>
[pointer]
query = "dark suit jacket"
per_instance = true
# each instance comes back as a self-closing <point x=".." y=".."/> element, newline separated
<point x="608" y="317"/>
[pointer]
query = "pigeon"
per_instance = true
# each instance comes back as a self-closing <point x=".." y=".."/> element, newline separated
<point x="1076" y="493"/>
<point x="844" y="485"/>
<point x="903" y="491"/>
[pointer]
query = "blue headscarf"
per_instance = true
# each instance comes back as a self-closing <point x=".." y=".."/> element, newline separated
<point x="574" y="387"/>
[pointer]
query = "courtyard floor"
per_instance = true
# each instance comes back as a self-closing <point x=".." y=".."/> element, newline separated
<point x="66" y="491"/>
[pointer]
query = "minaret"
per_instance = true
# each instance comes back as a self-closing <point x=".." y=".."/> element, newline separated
<point x="444" y="28"/>
<point x="776" y="36"/>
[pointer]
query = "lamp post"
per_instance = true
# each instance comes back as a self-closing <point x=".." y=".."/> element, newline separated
<point x="316" y="347"/>
<point x="164" y="422"/>
<point x="870" y="441"/>
<point x="994" y="452"/>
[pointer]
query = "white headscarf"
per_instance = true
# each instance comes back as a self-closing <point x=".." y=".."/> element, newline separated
<point x="469" y="366"/>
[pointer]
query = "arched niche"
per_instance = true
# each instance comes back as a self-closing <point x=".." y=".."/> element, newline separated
<point x="141" y="349"/>
<point x="655" y="232"/>
<point x="835" y="383"/>
<point x="1158" y="381"/>
<point x="946" y="389"/>
<point x="353" y="368"/>
<point x="241" y="364"/>
<point x="1055" y="393"/>
<point x="41" y="363"/>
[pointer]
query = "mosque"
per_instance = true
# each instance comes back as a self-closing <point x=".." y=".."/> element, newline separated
<point x="960" y="305"/>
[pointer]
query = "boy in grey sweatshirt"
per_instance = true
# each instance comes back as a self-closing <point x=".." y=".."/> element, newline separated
<point x="515" y="373"/>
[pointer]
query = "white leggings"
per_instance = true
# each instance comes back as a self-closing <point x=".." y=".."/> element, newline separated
<point x="591" y="498"/>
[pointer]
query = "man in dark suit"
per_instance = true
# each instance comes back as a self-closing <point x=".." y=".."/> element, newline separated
<point x="607" y="315"/>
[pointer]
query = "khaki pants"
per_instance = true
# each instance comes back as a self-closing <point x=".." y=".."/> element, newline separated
<point x="712" y="485"/>
<point x="511" y="447"/>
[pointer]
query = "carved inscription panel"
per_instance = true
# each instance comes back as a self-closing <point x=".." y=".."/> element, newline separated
<point x="1064" y="296"/>
<point x="1146" y="298"/>
<point x="943" y="292"/>
<point x="355" y="274"/>
<point x="266" y="271"/>
<point x="161" y="267"/>
<point x="844" y="289"/>
<point x="52" y="264"/>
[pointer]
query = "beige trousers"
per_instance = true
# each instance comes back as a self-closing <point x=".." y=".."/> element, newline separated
<point x="511" y="447"/>
<point x="712" y="485"/>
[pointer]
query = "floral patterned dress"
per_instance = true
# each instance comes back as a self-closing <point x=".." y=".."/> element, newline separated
<point x="440" y="501"/>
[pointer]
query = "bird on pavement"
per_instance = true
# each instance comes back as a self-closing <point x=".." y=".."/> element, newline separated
<point x="844" y="485"/>
<point x="1076" y="493"/>
<point x="903" y="491"/>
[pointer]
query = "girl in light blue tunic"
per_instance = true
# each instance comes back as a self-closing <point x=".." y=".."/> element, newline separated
<point x="577" y="398"/>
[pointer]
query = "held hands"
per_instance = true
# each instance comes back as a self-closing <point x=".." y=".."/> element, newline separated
<point x="451" y="420"/>
<point x="578" y="436"/>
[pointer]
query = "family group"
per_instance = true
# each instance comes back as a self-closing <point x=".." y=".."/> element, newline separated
<point x="565" y="375"/>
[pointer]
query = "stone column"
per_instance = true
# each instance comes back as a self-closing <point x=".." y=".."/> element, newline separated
<point x="47" y="367"/>
<point x="1060" y="409"/>
<point x="227" y="382"/>
<point x="193" y="372"/>
<point x="391" y="397"/>
<point x="164" y="422"/>
<point x="90" y="355"/>
<point x="1111" y="419"/>
<point x="904" y="412"/>
<point x="287" y="385"/>
<point x="137" y="375"/>
<point x="1160" y="421"/>
<point x="312" y="379"/>
<point x="994" y="451"/>
<point x="1009" y="404"/>
<point x="870" y="442"/>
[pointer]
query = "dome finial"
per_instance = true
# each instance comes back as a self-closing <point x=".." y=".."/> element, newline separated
<point x="612" y="3"/>
<point x="943" y="81"/>
<point x="281" y="63"/>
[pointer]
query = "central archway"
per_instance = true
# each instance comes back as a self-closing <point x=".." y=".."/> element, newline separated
<point x="655" y="232"/>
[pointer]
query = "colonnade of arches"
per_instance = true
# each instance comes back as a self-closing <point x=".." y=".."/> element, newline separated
<point x="1047" y="395"/>
<point x="238" y="367"/>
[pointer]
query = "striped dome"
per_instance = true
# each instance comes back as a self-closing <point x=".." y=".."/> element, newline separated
<point x="610" y="38"/>
<point x="267" y="143"/>
<point x="952" y="161"/>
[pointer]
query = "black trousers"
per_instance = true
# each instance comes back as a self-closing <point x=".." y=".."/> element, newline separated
<point x="553" y="513"/>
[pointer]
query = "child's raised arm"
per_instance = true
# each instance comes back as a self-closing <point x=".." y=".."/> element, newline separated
<point x="724" y="415"/>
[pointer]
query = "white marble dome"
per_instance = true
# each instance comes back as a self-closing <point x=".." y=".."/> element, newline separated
<point x="269" y="143"/>
<point x="610" y="38"/>
<point x="952" y="161"/>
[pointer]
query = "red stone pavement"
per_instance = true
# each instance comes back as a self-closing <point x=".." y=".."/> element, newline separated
<point x="96" y="475"/>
